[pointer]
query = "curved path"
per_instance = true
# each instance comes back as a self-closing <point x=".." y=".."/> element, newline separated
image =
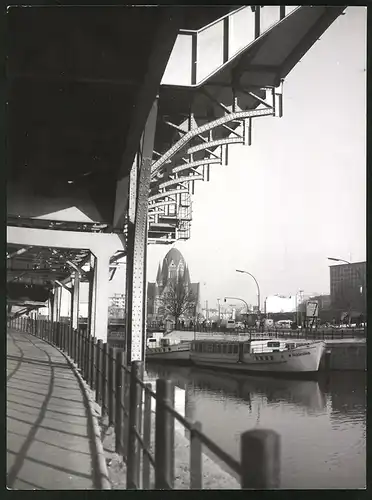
<point x="50" y="433"/>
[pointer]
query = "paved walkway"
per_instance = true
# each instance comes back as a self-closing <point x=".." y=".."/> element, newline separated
<point x="50" y="434"/>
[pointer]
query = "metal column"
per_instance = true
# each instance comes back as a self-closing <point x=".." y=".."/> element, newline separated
<point x="136" y="283"/>
<point x="91" y="297"/>
<point x="99" y="318"/>
<point x="56" y="304"/>
<point x="75" y="301"/>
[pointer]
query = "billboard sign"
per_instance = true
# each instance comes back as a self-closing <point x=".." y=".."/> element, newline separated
<point x="312" y="309"/>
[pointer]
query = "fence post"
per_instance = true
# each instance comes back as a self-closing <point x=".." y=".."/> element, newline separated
<point x="98" y="370"/>
<point x="85" y="354"/>
<point x="93" y="363"/>
<point x="119" y="400"/>
<point x="104" y="378"/>
<point x="146" y="439"/>
<point x="89" y="360"/>
<point x="60" y="334"/>
<point x="135" y="392"/>
<point x="260" y="459"/>
<point x="195" y="458"/>
<point x="162" y="436"/>
<point x="67" y="336"/>
<point x="76" y="342"/>
<point x="111" y="385"/>
<point x="171" y="436"/>
<point x="82" y="352"/>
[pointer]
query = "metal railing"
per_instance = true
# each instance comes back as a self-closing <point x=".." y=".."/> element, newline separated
<point x="126" y="399"/>
<point x="303" y="333"/>
<point x="197" y="54"/>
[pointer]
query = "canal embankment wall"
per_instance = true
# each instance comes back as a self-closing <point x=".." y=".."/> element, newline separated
<point x="341" y="354"/>
<point x="213" y="475"/>
<point x="346" y="355"/>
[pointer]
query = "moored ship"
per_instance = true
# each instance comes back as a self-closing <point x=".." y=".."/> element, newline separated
<point x="169" y="350"/>
<point x="264" y="355"/>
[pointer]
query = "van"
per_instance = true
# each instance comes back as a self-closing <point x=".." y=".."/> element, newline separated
<point x="152" y="342"/>
<point x="284" y="323"/>
<point x="229" y="324"/>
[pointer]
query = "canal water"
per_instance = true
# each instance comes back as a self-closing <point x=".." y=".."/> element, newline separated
<point x="322" y="423"/>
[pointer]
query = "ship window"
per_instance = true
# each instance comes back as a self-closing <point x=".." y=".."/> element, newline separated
<point x="235" y="349"/>
<point x="210" y="348"/>
<point x="218" y="348"/>
<point x="246" y="347"/>
<point x="267" y="358"/>
<point x="230" y="349"/>
<point x="273" y="344"/>
<point x="271" y="357"/>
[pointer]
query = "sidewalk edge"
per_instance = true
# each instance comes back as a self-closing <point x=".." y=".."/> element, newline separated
<point x="100" y="455"/>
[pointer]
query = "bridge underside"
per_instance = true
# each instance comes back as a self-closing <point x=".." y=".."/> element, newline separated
<point x="103" y="158"/>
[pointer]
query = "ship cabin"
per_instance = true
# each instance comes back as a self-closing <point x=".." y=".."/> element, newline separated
<point x="235" y="348"/>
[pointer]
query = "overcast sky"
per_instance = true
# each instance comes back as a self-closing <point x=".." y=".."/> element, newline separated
<point x="297" y="195"/>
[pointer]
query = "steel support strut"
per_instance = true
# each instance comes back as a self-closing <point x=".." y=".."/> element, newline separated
<point x="137" y="243"/>
<point x="75" y="301"/>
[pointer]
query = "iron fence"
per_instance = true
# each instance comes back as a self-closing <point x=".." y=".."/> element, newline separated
<point x="126" y="399"/>
<point x="303" y="333"/>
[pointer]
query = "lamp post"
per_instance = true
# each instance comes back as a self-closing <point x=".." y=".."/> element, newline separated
<point x="219" y="310"/>
<point x="258" y="289"/>
<point x="237" y="298"/>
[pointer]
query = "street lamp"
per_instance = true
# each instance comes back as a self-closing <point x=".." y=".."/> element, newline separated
<point x="237" y="298"/>
<point x="258" y="288"/>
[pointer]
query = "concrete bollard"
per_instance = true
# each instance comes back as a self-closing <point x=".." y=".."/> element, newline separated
<point x="260" y="459"/>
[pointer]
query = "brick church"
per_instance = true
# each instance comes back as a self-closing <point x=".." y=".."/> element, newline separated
<point x="174" y="265"/>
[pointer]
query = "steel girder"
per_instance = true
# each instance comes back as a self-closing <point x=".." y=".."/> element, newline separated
<point x="139" y="187"/>
<point x="205" y="123"/>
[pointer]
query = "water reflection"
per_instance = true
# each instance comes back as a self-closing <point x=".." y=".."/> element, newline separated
<point x="322" y="423"/>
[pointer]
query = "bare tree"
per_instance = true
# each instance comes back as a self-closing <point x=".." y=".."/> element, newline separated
<point x="178" y="299"/>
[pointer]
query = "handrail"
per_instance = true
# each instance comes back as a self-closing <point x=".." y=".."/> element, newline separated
<point x="200" y="30"/>
<point x="119" y="390"/>
<point x="193" y="81"/>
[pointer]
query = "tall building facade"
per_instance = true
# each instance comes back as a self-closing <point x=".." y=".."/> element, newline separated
<point x="348" y="287"/>
<point x="173" y="266"/>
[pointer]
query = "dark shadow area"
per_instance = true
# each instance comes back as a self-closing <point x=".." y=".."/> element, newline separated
<point x="28" y="412"/>
<point x="19" y="359"/>
<point x="41" y="362"/>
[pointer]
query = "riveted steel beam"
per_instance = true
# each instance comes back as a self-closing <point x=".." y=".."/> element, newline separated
<point x="166" y="194"/>
<point x="181" y="143"/>
<point x="195" y="164"/>
<point x="219" y="142"/>
<point x="161" y="204"/>
<point x="136" y="266"/>
<point x="172" y="182"/>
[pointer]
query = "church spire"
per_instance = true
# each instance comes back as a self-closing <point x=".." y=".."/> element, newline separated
<point x="158" y="276"/>
<point x="187" y="275"/>
<point x="164" y="273"/>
